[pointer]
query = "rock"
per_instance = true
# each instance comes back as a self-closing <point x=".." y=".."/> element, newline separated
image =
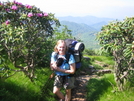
<point x="86" y="58"/>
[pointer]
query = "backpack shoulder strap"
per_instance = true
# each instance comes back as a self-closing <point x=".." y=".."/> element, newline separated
<point x="67" y="56"/>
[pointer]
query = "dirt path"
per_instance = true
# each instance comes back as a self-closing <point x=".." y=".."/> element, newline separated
<point x="79" y="92"/>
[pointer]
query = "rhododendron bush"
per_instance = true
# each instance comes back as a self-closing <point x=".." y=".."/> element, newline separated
<point x="117" y="38"/>
<point x="25" y="32"/>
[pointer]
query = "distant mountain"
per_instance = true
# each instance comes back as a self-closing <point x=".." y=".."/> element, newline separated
<point x="99" y="25"/>
<point x="78" y="28"/>
<point x="89" y="20"/>
<point x="84" y="32"/>
<point x="85" y="28"/>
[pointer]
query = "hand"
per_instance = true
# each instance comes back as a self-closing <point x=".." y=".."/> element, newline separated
<point x="52" y="75"/>
<point x="54" y="66"/>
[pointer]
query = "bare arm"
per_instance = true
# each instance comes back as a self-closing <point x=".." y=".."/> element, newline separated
<point x="53" y="65"/>
<point x="71" y="71"/>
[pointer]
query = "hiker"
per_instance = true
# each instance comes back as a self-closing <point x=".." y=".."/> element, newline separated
<point x="62" y="68"/>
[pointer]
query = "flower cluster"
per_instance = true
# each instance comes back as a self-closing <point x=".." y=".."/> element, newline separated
<point x="28" y="6"/>
<point x="7" y="22"/>
<point x="17" y="3"/>
<point x="14" y="7"/>
<point x="38" y="14"/>
<point x="1" y="3"/>
<point x="30" y="14"/>
<point x="17" y="7"/>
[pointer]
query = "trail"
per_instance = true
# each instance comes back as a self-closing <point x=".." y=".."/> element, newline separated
<point x="79" y="92"/>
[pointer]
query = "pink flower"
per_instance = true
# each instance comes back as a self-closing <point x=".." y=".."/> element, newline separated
<point x="14" y="7"/>
<point x="14" y="2"/>
<point x="30" y="14"/>
<point x="45" y="14"/>
<point x="28" y="6"/>
<point x="1" y="3"/>
<point x="7" y="22"/>
<point x="39" y="14"/>
<point x="17" y="3"/>
<point x="7" y="9"/>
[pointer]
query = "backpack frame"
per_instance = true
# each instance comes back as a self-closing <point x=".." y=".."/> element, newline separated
<point x="75" y="48"/>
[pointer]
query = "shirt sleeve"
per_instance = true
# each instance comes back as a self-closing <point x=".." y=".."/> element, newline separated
<point x="71" y="59"/>
<point x="53" y="57"/>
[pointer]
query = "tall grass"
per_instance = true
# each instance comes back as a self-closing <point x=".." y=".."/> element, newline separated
<point x="107" y="60"/>
<point x="104" y="89"/>
<point x="20" y="88"/>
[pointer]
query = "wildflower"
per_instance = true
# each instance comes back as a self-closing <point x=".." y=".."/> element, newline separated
<point x="7" y="9"/>
<point x="39" y="14"/>
<point x="45" y="14"/>
<point x="17" y="3"/>
<point x="30" y="14"/>
<point x="7" y="22"/>
<point x="1" y="4"/>
<point x="28" y="6"/>
<point x="14" y="7"/>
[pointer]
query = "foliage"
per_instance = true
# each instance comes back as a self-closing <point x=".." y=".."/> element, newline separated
<point x="20" y="88"/>
<point x="106" y="59"/>
<point x="97" y="87"/>
<point x="105" y="89"/>
<point x="62" y="33"/>
<point x="117" y="38"/>
<point x="25" y="35"/>
<point x="89" y="52"/>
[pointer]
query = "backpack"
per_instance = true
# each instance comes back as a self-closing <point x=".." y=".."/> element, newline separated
<point x="75" y="48"/>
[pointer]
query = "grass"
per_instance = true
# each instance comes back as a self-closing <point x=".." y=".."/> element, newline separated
<point x="20" y="88"/>
<point x="100" y="62"/>
<point x="107" y="60"/>
<point x="104" y="89"/>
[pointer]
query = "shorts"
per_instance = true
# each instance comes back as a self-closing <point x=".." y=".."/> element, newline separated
<point x="64" y="81"/>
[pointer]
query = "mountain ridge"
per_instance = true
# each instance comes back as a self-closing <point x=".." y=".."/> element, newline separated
<point x="89" y="20"/>
<point x="85" y="28"/>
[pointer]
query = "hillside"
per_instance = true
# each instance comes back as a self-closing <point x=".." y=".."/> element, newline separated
<point x="89" y="20"/>
<point x="85" y="28"/>
<point x="84" y="32"/>
<point x="78" y="28"/>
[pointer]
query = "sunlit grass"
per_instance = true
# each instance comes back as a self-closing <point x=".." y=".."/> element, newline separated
<point x="108" y="60"/>
<point x="104" y="89"/>
<point x="20" y="88"/>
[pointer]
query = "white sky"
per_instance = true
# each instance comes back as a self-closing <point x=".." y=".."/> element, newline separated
<point x="118" y="9"/>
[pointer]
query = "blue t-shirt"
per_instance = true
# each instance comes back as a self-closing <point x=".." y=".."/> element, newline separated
<point x="65" y="65"/>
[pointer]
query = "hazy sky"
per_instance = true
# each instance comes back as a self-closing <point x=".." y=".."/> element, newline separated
<point x="118" y="9"/>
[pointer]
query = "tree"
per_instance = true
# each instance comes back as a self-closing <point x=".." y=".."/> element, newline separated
<point x="62" y="33"/>
<point x="117" y="38"/>
<point x="25" y="36"/>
